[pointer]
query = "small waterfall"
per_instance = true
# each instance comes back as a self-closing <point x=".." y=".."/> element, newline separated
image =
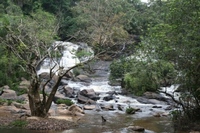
<point x="68" y="59"/>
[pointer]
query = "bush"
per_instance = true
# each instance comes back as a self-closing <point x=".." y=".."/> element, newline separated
<point x="19" y="123"/>
<point x="119" y="67"/>
<point x="2" y="101"/>
<point x="130" y="110"/>
<point x="146" y="76"/>
<point x="68" y="102"/>
<point x="76" y="71"/>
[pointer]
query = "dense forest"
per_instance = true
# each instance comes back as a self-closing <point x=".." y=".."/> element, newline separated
<point x="153" y="44"/>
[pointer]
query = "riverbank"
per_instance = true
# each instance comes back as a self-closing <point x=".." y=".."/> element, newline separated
<point x="39" y="124"/>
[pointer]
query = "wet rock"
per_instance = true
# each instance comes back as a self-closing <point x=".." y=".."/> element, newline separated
<point x="58" y="96"/>
<point x="84" y="78"/>
<point x="45" y="76"/>
<point x="155" y="101"/>
<point x="64" y="82"/>
<point x="68" y="75"/>
<point x="157" y="106"/>
<point x="73" y="110"/>
<point x="108" y="98"/>
<point x="76" y="110"/>
<point x="69" y="92"/>
<point x="90" y="93"/>
<point x="89" y="107"/>
<point x="143" y="100"/>
<point x="108" y="107"/>
<point x="136" y="128"/>
<point x="120" y="107"/>
<point x="169" y="108"/>
<point x="114" y="83"/>
<point x="153" y="95"/>
<point x="112" y="93"/>
<point x="85" y="100"/>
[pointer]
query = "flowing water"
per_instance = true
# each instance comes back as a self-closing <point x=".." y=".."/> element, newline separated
<point x="117" y="121"/>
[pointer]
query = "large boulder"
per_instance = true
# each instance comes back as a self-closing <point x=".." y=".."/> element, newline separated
<point x="73" y="110"/>
<point x="69" y="92"/>
<point x="90" y="93"/>
<point x="24" y="84"/>
<point x="8" y="94"/>
<point x="153" y="95"/>
<point x="108" y="107"/>
<point x="57" y="96"/>
<point x="45" y="76"/>
<point x="85" y="100"/>
<point x="84" y="78"/>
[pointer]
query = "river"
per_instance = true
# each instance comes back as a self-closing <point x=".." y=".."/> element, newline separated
<point x="117" y="120"/>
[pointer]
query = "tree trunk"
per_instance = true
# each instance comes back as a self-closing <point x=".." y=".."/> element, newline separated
<point x="40" y="107"/>
<point x="36" y="106"/>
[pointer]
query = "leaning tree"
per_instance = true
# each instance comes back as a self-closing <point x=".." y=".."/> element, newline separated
<point x="29" y="39"/>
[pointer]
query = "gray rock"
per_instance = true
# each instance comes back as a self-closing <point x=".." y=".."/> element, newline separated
<point x="89" y="107"/>
<point x="8" y="94"/>
<point x="85" y="100"/>
<point x="136" y="128"/>
<point x="108" y="107"/>
<point x="69" y="92"/>
<point x="84" y="78"/>
<point x="90" y="93"/>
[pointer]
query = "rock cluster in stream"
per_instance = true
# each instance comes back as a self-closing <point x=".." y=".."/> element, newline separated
<point x="87" y="98"/>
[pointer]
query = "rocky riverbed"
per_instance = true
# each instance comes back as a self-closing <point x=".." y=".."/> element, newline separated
<point x="93" y="96"/>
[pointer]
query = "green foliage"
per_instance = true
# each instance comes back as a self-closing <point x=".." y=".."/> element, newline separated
<point x="176" y="40"/>
<point x="2" y="101"/>
<point x="101" y="23"/>
<point x="11" y="70"/>
<point x="19" y="123"/>
<point x="82" y="54"/>
<point x="118" y="68"/>
<point x="140" y="76"/>
<point x="130" y="110"/>
<point x="68" y="102"/>
<point x="76" y="71"/>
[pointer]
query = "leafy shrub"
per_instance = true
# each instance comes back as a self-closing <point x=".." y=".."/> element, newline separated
<point x="119" y="67"/>
<point x="130" y="110"/>
<point x="76" y="71"/>
<point x="19" y="123"/>
<point x="68" y="102"/>
<point x="2" y="101"/>
<point x="148" y="76"/>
